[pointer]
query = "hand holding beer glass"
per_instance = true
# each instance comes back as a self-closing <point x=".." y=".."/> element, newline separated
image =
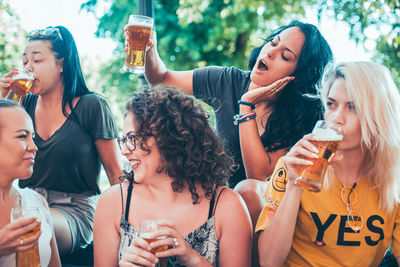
<point x="29" y="258"/>
<point x="327" y="140"/>
<point x="147" y="229"/>
<point x="21" y="85"/>
<point x="138" y="30"/>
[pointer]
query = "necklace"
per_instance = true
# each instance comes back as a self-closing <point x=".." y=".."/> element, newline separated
<point x="349" y="197"/>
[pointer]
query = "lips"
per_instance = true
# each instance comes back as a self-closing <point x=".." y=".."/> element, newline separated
<point x="30" y="159"/>
<point x="134" y="163"/>
<point x="262" y="65"/>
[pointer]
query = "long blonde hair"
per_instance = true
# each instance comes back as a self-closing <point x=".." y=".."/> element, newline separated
<point x="377" y="100"/>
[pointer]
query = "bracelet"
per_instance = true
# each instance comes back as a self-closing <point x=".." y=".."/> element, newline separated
<point x="241" y="102"/>
<point x="239" y="118"/>
<point x="246" y="119"/>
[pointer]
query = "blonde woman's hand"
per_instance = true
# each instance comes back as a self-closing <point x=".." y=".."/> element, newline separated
<point x="266" y="93"/>
<point x="298" y="156"/>
<point x="138" y="254"/>
<point x="6" y="81"/>
<point x="177" y="245"/>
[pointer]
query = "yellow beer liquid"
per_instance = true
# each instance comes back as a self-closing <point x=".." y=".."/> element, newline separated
<point x="29" y="258"/>
<point x="20" y="87"/>
<point x="162" y="261"/>
<point x="138" y="38"/>
<point x="311" y="177"/>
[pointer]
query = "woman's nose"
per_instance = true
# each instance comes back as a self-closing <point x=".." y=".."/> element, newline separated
<point x="31" y="146"/>
<point x="271" y="52"/>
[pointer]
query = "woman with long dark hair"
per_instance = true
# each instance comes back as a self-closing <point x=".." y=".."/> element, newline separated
<point x="75" y="134"/>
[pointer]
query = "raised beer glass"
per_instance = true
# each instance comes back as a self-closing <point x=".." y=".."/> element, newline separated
<point x="139" y="30"/>
<point x="147" y="229"/>
<point x="29" y="258"/>
<point x="328" y="139"/>
<point x="21" y="86"/>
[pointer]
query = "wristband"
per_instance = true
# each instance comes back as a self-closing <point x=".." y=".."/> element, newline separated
<point x="241" y="102"/>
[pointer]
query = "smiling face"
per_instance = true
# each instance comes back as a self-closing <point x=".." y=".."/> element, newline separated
<point x="279" y="57"/>
<point x="144" y="163"/>
<point x="47" y="70"/>
<point x="342" y="111"/>
<point x="17" y="149"/>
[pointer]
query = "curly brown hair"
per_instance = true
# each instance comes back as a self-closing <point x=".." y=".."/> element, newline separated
<point x="190" y="151"/>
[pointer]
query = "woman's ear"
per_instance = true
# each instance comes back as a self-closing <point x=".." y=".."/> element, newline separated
<point x="150" y="141"/>
<point x="60" y="63"/>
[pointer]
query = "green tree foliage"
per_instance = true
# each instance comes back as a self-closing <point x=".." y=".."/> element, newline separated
<point x="376" y="21"/>
<point x="11" y="39"/>
<point x="195" y="33"/>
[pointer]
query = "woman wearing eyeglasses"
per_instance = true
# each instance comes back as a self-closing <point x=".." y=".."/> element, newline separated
<point x="75" y="133"/>
<point x="352" y="221"/>
<point x="17" y="154"/>
<point x="179" y="176"/>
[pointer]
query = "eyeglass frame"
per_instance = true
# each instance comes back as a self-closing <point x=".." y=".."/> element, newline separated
<point x="128" y="140"/>
<point x="42" y="32"/>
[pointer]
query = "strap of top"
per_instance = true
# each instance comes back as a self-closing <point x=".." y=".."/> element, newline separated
<point x="212" y="206"/>
<point x="128" y="200"/>
<point x="122" y="197"/>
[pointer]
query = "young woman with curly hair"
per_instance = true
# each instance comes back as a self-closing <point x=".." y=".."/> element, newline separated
<point x="179" y="176"/>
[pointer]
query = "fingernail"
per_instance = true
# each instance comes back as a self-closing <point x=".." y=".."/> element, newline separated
<point x="310" y="162"/>
<point x="314" y="149"/>
<point x="315" y="156"/>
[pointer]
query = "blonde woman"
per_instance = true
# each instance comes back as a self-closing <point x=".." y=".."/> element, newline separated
<point x="303" y="228"/>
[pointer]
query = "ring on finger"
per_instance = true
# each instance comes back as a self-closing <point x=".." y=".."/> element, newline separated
<point x="175" y="242"/>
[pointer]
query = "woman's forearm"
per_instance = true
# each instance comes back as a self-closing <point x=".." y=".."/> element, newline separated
<point x="276" y="240"/>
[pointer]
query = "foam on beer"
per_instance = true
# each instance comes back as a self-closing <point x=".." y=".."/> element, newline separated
<point x="327" y="134"/>
<point x="22" y="75"/>
<point x="140" y="23"/>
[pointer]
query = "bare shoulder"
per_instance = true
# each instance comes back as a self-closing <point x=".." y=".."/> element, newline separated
<point x="111" y="197"/>
<point x="228" y="206"/>
<point x="229" y="202"/>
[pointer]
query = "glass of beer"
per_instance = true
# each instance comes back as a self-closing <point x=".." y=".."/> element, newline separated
<point x="147" y="229"/>
<point x="327" y="141"/>
<point x="21" y="86"/>
<point x="139" y="30"/>
<point x="29" y="258"/>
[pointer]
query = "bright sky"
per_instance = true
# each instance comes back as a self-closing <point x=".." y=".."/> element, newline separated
<point x="42" y="13"/>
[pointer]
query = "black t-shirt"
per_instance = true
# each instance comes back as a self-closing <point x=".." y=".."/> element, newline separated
<point x="68" y="161"/>
<point x="221" y="88"/>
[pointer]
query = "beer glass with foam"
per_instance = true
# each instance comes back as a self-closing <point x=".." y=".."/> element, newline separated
<point x="21" y="86"/>
<point x="139" y="30"/>
<point x="29" y="258"/>
<point x="147" y="229"/>
<point x="328" y="139"/>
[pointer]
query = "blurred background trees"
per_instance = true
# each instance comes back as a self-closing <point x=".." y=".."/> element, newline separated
<point x="195" y="33"/>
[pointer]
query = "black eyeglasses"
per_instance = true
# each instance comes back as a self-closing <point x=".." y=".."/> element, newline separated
<point x="128" y="140"/>
<point x="44" y="32"/>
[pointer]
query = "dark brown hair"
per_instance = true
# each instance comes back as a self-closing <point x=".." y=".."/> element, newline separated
<point x="190" y="151"/>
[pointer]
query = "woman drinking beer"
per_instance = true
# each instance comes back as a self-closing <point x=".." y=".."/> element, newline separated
<point x="74" y="132"/>
<point x="17" y="153"/>
<point x="271" y="100"/>
<point x="294" y="57"/>
<point x="355" y="217"/>
<point x="179" y="177"/>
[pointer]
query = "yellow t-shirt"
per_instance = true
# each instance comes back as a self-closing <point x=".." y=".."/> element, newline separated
<point x="321" y="236"/>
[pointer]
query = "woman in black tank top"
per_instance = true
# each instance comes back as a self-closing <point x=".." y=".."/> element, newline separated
<point x="178" y="177"/>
